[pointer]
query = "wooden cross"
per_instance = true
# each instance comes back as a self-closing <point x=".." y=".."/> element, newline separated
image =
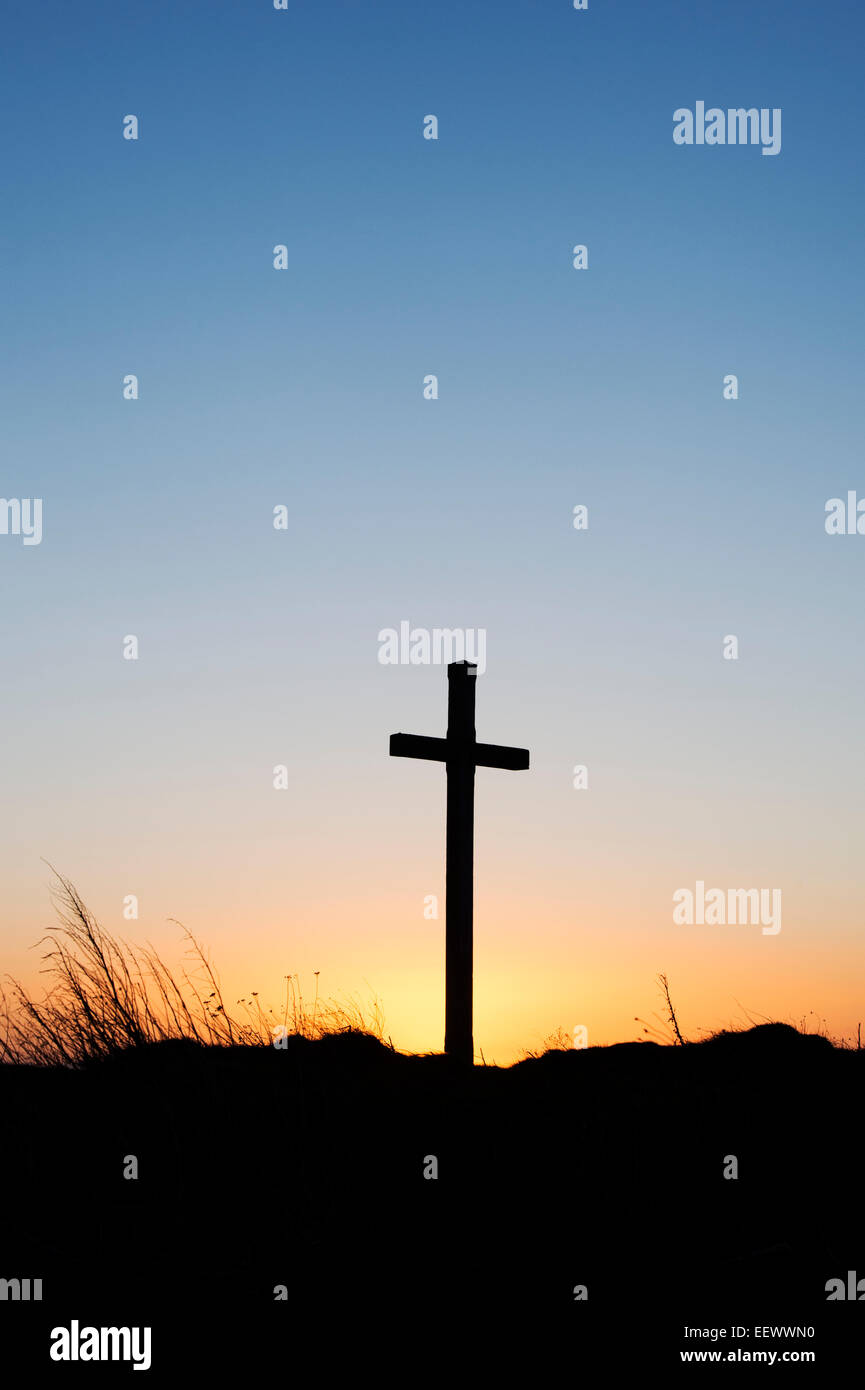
<point x="461" y="754"/>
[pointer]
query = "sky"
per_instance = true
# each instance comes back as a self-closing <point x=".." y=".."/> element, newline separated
<point x="303" y="387"/>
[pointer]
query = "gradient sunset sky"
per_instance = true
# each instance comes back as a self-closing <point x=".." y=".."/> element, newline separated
<point x="557" y="387"/>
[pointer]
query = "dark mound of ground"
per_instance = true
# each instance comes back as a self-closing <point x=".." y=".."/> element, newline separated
<point x="280" y="1189"/>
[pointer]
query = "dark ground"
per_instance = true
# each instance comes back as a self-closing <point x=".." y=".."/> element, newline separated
<point x="304" y="1168"/>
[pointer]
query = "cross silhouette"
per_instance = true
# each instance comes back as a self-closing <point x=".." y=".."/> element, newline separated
<point x="461" y="754"/>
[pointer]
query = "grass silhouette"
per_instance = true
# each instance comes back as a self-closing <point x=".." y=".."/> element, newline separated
<point x="107" y="996"/>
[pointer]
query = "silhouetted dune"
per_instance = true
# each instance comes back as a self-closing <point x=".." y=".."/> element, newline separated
<point x="303" y="1167"/>
<point x="776" y="1036"/>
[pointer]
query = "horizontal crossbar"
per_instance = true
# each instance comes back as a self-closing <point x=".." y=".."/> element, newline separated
<point x="495" y="755"/>
<point x="417" y="746"/>
<point x="438" y="750"/>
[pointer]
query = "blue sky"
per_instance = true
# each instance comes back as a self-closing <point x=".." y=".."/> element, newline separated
<point x="303" y="387"/>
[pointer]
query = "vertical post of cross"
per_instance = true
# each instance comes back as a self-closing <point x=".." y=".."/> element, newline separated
<point x="459" y="872"/>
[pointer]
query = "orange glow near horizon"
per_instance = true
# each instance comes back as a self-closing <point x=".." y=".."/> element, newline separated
<point x="528" y="984"/>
